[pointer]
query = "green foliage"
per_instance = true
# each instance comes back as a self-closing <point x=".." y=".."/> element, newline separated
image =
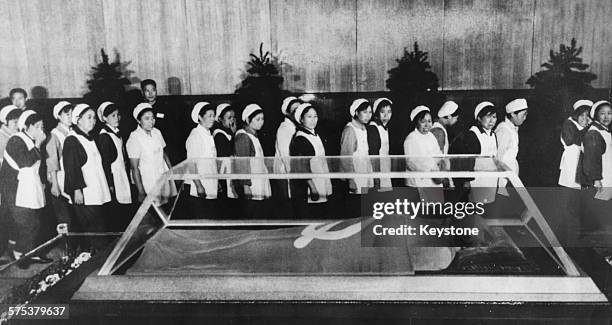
<point x="107" y="81"/>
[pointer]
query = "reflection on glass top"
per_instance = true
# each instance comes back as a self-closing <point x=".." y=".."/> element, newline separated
<point x="335" y="166"/>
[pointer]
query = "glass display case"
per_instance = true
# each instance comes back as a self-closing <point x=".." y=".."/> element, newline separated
<point x="337" y="251"/>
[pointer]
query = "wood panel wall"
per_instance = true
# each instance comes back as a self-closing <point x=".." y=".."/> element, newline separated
<point x="201" y="46"/>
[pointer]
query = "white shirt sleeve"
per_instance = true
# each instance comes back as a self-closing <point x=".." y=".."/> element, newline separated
<point x="133" y="147"/>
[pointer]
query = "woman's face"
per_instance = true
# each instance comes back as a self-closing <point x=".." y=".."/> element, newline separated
<point x="229" y="120"/>
<point x="488" y="121"/>
<point x="113" y="119"/>
<point x="364" y="116"/>
<point x="384" y="114"/>
<point x="604" y="115"/>
<point x="257" y="122"/>
<point x="424" y="125"/>
<point x="37" y="130"/>
<point x="584" y="119"/>
<point x="65" y="117"/>
<point x="310" y="119"/>
<point x="208" y="119"/>
<point x="87" y="121"/>
<point x="12" y="126"/>
<point x="147" y="121"/>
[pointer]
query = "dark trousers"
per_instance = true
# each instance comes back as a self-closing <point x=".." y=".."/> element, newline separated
<point x="62" y="210"/>
<point x="24" y="227"/>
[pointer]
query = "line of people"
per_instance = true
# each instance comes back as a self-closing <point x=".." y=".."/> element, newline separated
<point x="91" y="173"/>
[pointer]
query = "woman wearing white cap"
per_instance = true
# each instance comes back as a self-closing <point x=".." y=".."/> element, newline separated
<point x="480" y="140"/>
<point x="448" y="115"/>
<point x="354" y="142"/>
<point x="309" y="196"/>
<point x="21" y="186"/>
<point x="284" y="134"/>
<point x="114" y="163"/>
<point x="422" y="147"/>
<point x="256" y="191"/>
<point x="9" y="116"/>
<point x="508" y="138"/>
<point x="145" y="149"/>
<point x="378" y="139"/>
<point x="597" y="163"/>
<point x="85" y="181"/>
<point x="572" y="132"/>
<point x="62" y="112"/>
<point x="224" y="143"/>
<point x="201" y="148"/>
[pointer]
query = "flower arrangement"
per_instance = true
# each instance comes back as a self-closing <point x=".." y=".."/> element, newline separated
<point x="25" y="293"/>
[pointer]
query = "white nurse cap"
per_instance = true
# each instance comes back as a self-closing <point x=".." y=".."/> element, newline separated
<point x="596" y="105"/>
<point x="286" y="103"/>
<point x="356" y="103"/>
<point x="220" y="109"/>
<point x="417" y="110"/>
<point x="516" y="105"/>
<point x="448" y="109"/>
<point x="78" y="110"/>
<point x="139" y="108"/>
<point x="582" y="102"/>
<point x="22" y="119"/>
<point x="195" y="112"/>
<point x="58" y="108"/>
<point x="300" y="110"/>
<point x="479" y="108"/>
<point x="101" y="109"/>
<point x="4" y="112"/>
<point x="250" y="109"/>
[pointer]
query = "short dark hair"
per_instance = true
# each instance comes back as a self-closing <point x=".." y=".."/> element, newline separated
<point x="313" y="107"/>
<point x="362" y="107"/>
<point x="420" y="116"/>
<point x="508" y="115"/>
<point x="17" y="90"/>
<point x="13" y="115"/>
<point x="486" y="111"/>
<point x="33" y="119"/>
<point x="147" y="82"/>
<point x="67" y="108"/>
<point x="205" y="108"/>
<point x="108" y="110"/>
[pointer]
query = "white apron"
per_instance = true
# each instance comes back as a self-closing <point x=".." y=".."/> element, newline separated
<point x="569" y="162"/>
<point x="361" y="161"/>
<point x="483" y="189"/>
<point x="318" y="164"/>
<point x="423" y="148"/>
<point x="60" y="173"/>
<point x="120" y="177"/>
<point x="30" y="192"/>
<point x="437" y="125"/>
<point x="204" y="163"/>
<point x="96" y="190"/>
<point x="284" y="134"/>
<point x="226" y="167"/>
<point x="509" y="156"/>
<point x="260" y="187"/>
<point x="383" y="154"/>
<point x="606" y="166"/>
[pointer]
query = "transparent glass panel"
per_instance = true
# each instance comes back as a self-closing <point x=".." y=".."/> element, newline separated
<point x="305" y="215"/>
